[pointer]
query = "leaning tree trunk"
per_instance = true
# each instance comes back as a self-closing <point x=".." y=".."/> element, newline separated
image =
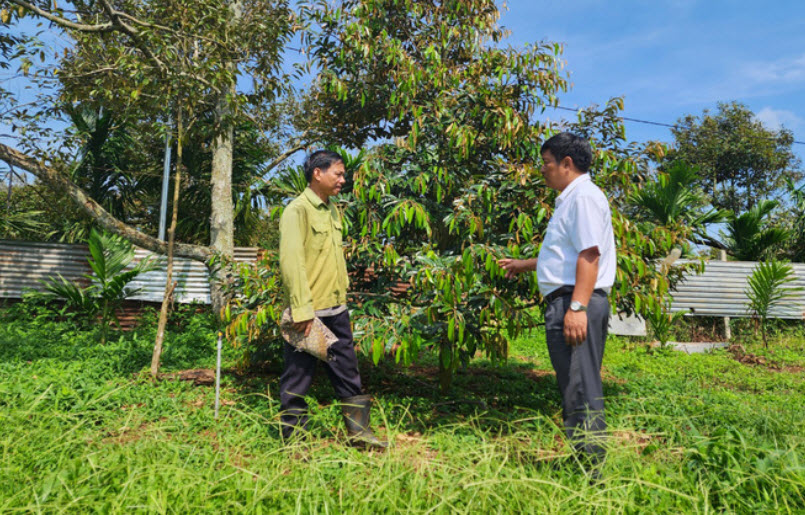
<point x="169" y="284"/>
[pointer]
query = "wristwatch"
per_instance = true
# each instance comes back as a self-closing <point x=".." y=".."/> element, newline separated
<point x="577" y="306"/>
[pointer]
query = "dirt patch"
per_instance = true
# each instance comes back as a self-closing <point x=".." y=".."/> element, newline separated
<point x="637" y="440"/>
<point x="537" y="375"/>
<point x="199" y="376"/>
<point x="415" y="450"/>
<point x="125" y="434"/>
<point x="740" y="355"/>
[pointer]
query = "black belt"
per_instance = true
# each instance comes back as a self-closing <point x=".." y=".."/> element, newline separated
<point x="568" y="290"/>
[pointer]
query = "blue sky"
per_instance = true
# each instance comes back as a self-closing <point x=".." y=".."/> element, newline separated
<point x="669" y="58"/>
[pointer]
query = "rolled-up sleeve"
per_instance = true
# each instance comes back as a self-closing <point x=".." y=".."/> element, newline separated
<point x="292" y="263"/>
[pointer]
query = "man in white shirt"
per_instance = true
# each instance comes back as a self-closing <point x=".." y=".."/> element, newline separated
<point x="575" y="271"/>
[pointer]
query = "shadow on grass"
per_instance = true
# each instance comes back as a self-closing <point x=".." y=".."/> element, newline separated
<point x="493" y="397"/>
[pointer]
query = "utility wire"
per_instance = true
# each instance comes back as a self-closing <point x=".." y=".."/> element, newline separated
<point x="671" y="126"/>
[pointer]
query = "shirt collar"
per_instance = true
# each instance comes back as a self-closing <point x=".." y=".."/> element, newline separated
<point x="585" y="177"/>
<point x="314" y="199"/>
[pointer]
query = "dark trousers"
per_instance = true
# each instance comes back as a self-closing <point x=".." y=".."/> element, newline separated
<point x="578" y="371"/>
<point x="300" y="368"/>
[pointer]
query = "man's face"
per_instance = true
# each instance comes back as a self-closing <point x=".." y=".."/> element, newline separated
<point x="550" y="170"/>
<point x="332" y="179"/>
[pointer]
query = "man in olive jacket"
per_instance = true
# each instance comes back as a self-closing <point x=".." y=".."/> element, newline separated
<point x="314" y="274"/>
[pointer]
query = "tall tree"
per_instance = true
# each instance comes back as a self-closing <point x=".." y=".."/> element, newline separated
<point x="741" y="161"/>
<point x="137" y="56"/>
<point x="452" y="187"/>
<point x="796" y="249"/>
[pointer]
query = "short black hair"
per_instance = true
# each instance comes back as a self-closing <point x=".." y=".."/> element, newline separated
<point x="321" y="159"/>
<point x="567" y="144"/>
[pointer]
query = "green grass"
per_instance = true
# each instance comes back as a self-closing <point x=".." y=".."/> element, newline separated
<point x="83" y="430"/>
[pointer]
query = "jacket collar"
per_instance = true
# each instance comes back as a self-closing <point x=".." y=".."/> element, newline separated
<point x="314" y="199"/>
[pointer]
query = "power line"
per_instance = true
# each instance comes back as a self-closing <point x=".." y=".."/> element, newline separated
<point x="670" y="126"/>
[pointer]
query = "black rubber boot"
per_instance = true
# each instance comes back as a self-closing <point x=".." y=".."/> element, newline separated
<point x="356" y="416"/>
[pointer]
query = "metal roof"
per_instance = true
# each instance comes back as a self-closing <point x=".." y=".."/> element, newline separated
<point x="720" y="291"/>
<point x="24" y="264"/>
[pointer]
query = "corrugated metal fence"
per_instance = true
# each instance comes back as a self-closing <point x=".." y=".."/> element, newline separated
<point x="719" y="291"/>
<point x="23" y="264"/>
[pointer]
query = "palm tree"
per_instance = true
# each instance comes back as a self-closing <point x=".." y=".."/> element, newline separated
<point x="766" y="288"/>
<point x="672" y="199"/>
<point x="749" y="236"/>
<point x="110" y="260"/>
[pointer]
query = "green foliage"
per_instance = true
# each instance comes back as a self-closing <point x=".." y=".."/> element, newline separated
<point x="17" y="225"/>
<point x="110" y="260"/>
<point x="662" y="322"/>
<point x="796" y="249"/>
<point x="741" y="161"/>
<point x="766" y="289"/>
<point x="674" y="200"/>
<point x="750" y="237"/>
<point x="254" y="308"/>
<point x="119" y="87"/>
<point x="454" y="179"/>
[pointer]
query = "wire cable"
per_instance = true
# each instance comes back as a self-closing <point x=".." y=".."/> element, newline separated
<point x="670" y="126"/>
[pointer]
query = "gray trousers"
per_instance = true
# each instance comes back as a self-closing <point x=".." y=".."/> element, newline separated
<point x="578" y="371"/>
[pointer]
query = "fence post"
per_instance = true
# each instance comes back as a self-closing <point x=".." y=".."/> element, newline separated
<point x="218" y="376"/>
<point x="727" y="330"/>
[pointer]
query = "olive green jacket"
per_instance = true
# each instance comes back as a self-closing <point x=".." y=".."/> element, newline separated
<point x="314" y="271"/>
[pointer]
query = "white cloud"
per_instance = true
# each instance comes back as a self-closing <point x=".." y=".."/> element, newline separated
<point x="777" y="118"/>
<point x="780" y="71"/>
<point x="751" y="80"/>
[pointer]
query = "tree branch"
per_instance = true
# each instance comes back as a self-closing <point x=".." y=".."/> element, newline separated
<point x="127" y="29"/>
<point x="701" y="239"/>
<point x="276" y="162"/>
<point x="61" y="184"/>
<point x="285" y="155"/>
<point x="62" y="22"/>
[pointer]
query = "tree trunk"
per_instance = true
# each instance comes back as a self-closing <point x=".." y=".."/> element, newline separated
<point x="222" y="213"/>
<point x="169" y="284"/>
<point x="222" y="216"/>
<point x="445" y="366"/>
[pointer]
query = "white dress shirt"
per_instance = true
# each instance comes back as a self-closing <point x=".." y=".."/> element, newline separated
<point x="581" y="220"/>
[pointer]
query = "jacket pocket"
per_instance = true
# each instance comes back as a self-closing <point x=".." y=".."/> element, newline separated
<point x="319" y="232"/>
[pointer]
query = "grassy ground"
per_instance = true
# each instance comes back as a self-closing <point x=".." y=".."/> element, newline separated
<point x="81" y="430"/>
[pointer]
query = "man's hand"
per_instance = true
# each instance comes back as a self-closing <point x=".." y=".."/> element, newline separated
<point x="517" y="266"/>
<point x="575" y="327"/>
<point x="303" y="326"/>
